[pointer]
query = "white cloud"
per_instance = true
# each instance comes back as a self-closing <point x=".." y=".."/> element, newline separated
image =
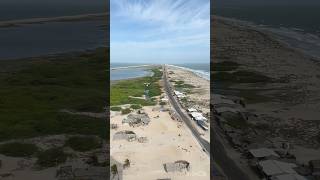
<point x="163" y="24"/>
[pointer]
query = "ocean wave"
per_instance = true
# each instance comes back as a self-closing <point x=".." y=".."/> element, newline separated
<point x="201" y="73"/>
<point x="293" y="37"/>
<point x="307" y="42"/>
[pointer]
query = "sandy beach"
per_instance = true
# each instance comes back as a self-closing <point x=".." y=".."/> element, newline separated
<point x="199" y="95"/>
<point x="287" y="103"/>
<point x="168" y="141"/>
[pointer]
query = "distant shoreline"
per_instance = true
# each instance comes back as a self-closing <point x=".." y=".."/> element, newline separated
<point x="271" y="35"/>
<point x="81" y="17"/>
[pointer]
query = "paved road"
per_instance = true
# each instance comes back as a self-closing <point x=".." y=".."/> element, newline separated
<point x="220" y="157"/>
<point x="216" y="171"/>
<point x="187" y="120"/>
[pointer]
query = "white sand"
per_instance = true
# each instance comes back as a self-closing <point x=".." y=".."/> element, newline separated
<point x="200" y="95"/>
<point x="164" y="146"/>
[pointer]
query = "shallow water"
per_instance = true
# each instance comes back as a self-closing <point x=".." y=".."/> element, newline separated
<point x="295" y="24"/>
<point x="26" y="9"/>
<point x="129" y="73"/>
<point x="49" y="38"/>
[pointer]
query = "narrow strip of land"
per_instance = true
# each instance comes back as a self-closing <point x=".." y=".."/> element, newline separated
<point x="205" y="145"/>
<point x="51" y="19"/>
<point x="127" y="67"/>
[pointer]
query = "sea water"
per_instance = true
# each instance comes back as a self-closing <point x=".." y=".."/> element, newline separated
<point x="127" y="73"/>
<point x="294" y="22"/>
<point x="200" y="69"/>
<point x="52" y="37"/>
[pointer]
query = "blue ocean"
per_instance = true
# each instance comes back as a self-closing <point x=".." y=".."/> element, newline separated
<point x="202" y="70"/>
<point x="53" y="37"/>
<point x="294" y="22"/>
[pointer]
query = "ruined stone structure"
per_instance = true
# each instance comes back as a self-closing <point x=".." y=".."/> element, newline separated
<point x="177" y="166"/>
<point x="125" y="135"/>
<point x="136" y="120"/>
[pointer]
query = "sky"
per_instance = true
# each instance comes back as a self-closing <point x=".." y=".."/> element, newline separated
<point x="160" y="31"/>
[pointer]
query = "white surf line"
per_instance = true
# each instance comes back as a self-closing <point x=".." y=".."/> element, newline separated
<point x="127" y="67"/>
<point x="200" y="73"/>
<point x="50" y="19"/>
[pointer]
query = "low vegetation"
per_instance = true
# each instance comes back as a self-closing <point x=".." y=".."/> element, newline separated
<point x="51" y="157"/>
<point x="34" y="90"/>
<point x="16" y="149"/>
<point x="182" y="85"/>
<point x="242" y="76"/>
<point x="114" y="170"/>
<point x="162" y="103"/>
<point x="83" y="143"/>
<point x="123" y="92"/>
<point x="126" y="164"/>
<point x="136" y="106"/>
<point x="225" y="66"/>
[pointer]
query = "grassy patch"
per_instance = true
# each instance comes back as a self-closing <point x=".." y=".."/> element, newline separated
<point x="34" y="90"/>
<point x="83" y="143"/>
<point x="225" y="66"/>
<point x="162" y="103"/>
<point x="136" y="106"/>
<point x="121" y="91"/>
<point x="241" y="77"/>
<point x="16" y="149"/>
<point x="51" y="157"/>
<point x="182" y="85"/>
<point x="235" y="120"/>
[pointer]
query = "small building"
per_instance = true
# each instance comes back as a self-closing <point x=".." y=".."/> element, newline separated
<point x="288" y="177"/>
<point x="164" y="99"/>
<point x="125" y="135"/>
<point x="273" y="168"/>
<point x="177" y="166"/>
<point x="262" y="153"/>
<point x="192" y="110"/>
<point x="203" y="125"/>
<point x="198" y="116"/>
<point x="179" y="94"/>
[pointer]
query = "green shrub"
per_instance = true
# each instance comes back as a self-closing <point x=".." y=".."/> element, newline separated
<point x="136" y="106"/>
<point x="162" y="103"/>
<point x="225" y="66"/>
<point x="18" y="149"/>
<point x="125" y="111"/>
<point x="51" y="157"/>
<point x="114" y="169"/>
<point x="83" y="143"/>
<point x="241" y="77"/>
